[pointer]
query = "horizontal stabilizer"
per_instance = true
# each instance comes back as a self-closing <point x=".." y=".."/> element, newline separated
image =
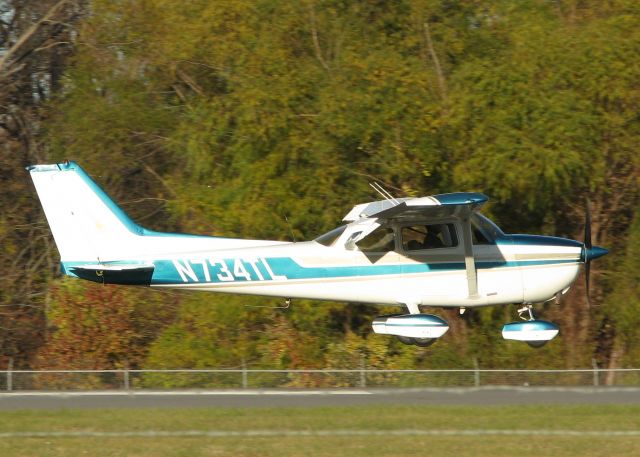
<point x="131" y="275"/>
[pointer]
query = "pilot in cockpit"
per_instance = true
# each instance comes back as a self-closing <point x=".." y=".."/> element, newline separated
<point x="424" y="237"/>
<point x="433" y="236"/>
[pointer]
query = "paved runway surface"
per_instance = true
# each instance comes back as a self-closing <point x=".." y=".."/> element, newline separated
<point x="315" y="398"/>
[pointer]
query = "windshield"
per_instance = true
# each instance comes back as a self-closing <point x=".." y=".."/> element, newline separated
<point x="484" y="231"/>
<point x="380" y="240"/>
<point x="329" y="238"/>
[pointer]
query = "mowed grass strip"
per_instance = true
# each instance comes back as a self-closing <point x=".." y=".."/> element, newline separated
<point x="492" y="446"/>
<point x="614" y="418"/>
<point x="524" y="417"/>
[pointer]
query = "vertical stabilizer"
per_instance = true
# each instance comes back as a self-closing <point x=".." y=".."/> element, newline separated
<point x="86" y="224"/>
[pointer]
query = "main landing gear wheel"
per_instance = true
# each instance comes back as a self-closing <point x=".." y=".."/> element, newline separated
<point x="536" y="344"/>
<point x="422" y="342"/>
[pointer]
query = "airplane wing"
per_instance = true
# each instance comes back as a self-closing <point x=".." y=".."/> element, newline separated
<point x="441" y="205"/>
<point x="460" y="204"/>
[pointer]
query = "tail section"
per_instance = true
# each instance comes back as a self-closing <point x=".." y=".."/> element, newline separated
<point x="99" y="242"/>
<point x="86" y="224"/>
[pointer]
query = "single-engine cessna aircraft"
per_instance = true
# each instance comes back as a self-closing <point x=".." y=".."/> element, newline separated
<point x="431" y="251"/>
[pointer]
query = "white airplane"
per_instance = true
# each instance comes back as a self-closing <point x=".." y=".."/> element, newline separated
<point x="435" y="251"/>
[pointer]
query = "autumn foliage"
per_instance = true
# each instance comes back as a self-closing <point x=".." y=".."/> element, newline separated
<point x="89" y="328"/>
<point x="268" y="119"/>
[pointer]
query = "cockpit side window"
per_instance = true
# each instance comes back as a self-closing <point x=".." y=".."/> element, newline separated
<point x="430" y="236"/>
<point x="381" y="239"/>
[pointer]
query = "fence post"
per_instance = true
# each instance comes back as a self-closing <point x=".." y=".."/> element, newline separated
<point x="476" y="372"/>
<point x="363" y="373"/>
<point x="245" y="375"/>
<point x="125" y="375"/>
<point x="596" y="373"/>
<point x="10" y="375"/>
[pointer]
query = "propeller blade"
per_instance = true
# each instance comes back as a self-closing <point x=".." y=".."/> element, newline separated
<point x="587" y="226"/>
<point x="587" y="280"/>
<point x="587" y="250"/>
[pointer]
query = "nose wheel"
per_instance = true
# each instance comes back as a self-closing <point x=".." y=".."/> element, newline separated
<point x="536" y="333"/>
<point x="536" y="344"/>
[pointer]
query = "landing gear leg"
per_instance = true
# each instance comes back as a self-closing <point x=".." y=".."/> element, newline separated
<point x="526" y="309"/>
<point x="413" y="308"/>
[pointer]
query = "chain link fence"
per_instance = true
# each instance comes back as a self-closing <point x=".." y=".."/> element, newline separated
<point x="70" y="380"/>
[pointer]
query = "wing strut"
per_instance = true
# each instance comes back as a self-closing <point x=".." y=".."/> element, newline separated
<point x="469" y="261"/>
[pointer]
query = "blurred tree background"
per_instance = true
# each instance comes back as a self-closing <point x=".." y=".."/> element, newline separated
<point x="230" y="117"/>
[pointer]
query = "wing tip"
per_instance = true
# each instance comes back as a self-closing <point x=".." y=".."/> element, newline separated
<point x="60" y="166"/>
<point x="461" y="198"/>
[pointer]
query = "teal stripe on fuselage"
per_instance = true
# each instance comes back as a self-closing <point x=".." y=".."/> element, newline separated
<point x="287" y="268"/>
<point x="166" y="271"/>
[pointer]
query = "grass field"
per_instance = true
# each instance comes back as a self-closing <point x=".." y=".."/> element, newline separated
<point x="354" y="431"/>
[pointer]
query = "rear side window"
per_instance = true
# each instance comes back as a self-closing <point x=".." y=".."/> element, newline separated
<point x="429" y="236"/>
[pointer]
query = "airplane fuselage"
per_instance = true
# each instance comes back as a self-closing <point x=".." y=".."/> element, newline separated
<point x="512" y="269"/>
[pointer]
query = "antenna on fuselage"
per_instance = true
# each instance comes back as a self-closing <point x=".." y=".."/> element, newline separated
<point x="384" y="192"/>
<point x="287" y="304"/>
<point x="293" y="237"/>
